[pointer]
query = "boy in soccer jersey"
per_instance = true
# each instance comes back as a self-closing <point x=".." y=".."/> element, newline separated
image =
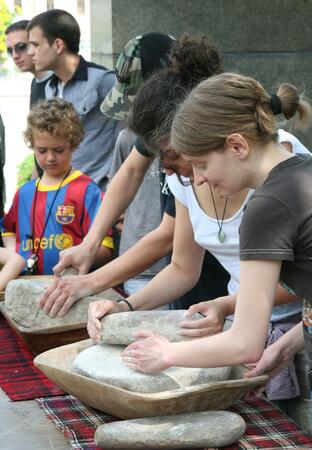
<point x="55" y="211"/>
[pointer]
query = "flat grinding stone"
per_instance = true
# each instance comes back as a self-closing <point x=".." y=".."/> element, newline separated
<point x="189" y="430"/>
<point x="22" y="305"/>
<point x="104" y="363"/>
<point x="120" y="328"/>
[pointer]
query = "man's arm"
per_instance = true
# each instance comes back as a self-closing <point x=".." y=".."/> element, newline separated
<point x="62" y="293"/>
<point x="119" y="195"/>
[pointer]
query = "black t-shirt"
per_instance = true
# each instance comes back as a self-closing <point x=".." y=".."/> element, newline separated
<point x="170" y="205"/>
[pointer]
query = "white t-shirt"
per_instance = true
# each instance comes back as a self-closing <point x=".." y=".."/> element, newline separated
<point x="206" y="228"/>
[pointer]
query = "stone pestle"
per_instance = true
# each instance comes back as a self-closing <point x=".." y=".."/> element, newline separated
<point x="190" y="430"/>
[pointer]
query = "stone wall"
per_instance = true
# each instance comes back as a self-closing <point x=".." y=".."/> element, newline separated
<point x="268" y="39"/>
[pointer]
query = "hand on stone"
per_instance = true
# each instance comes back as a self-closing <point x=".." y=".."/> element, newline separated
<point x="96" y="311"/>
<point x="148" y="353"/>
<point x="211" y="324"/>
<point x="78" y="257"/>
<point x="62" y="293"/>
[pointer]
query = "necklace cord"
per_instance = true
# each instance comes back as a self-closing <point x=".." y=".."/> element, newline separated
<point x="48" y="215"/>
<point x="220" y="223"/>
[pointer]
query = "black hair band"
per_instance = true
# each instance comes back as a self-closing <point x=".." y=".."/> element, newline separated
<point x="128" y="303"/>
<point x="275" y="104"/>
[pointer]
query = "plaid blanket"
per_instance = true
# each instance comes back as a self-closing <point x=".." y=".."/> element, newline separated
<point x="19" y="378"/>
<point x="267" y="426"/>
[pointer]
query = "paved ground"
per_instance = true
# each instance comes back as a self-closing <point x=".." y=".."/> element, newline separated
<point x="24" y="426"/>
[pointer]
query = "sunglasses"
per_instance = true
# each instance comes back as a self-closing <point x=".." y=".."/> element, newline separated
<point x="18" y="48"/>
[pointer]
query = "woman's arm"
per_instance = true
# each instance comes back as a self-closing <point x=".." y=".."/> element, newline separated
<point x="216" y="310"/>
<point x="63" y="292"/>
<point x="243" y="343"/>
<point x="119" y="195"/>
<point x="181" y="274"/>
<point x="173" y="281"/>
<point x="138" y="258"/>
<point x="278" y="355"/>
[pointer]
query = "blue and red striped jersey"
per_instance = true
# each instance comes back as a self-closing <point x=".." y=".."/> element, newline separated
<point x="72" y="214"/>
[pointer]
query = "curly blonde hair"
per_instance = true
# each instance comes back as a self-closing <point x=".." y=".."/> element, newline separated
<point x="57" y="117"/>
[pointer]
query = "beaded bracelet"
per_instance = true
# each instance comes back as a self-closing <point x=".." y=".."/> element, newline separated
<point x="128" y="303"/>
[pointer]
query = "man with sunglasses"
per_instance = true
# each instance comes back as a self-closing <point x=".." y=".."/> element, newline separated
<point x="54" y="39"/>
<point x="17" y="48"/>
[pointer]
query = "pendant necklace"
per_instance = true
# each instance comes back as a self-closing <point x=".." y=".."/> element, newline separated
<point x="221" y="234"/>
<point x="31" y="262"/>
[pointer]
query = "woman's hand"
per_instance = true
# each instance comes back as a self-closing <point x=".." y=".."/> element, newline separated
<point x="96" y="311"/>
<point x="212" y="323"/>
<point x="62" y="293"/>
<point x="271" y="363"/>
<point x="149" y="354"/>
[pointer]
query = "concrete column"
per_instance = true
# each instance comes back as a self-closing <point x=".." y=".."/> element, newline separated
<point x="102" y="32"/>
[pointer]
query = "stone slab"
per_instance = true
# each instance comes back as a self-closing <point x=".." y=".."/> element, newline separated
<point x="104" y="363"/>
<point x="120" y="328"/>
<point x="191" y="430"/>
<point x="22" y="300"/>
<point x="283" y="67"/>
<point x="235" y="25"/>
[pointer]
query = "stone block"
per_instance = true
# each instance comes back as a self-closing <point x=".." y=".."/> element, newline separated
<point x="270" y="40"/>
<point x="120" y="328"/>
<point x="104" y="363"/>
<point x="267" y="26"/>
<point x="22" y="305"/>
<point x="190" y="430"/>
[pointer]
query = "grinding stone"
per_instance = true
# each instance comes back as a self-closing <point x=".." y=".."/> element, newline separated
<point x="120" y="328"/>
<point x="22" y="300"/>
<point x="189" y="430"/>
<point x="103" y="363"/>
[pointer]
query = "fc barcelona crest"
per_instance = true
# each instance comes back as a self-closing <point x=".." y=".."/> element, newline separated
<point x="65" y="214"/>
